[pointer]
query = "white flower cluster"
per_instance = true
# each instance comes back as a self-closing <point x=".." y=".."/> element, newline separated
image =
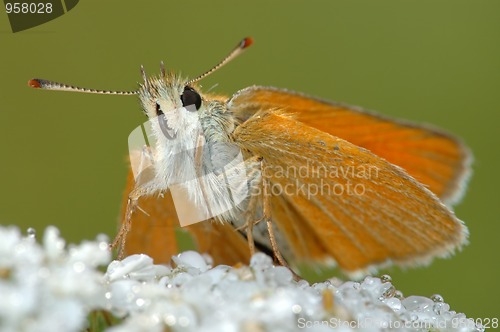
<point x="50" y="287"/>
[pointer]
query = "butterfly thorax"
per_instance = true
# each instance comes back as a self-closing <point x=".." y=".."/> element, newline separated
<point x="191" y="148"/>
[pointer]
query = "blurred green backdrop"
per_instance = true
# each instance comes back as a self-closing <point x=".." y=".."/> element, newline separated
<point x="63" y="155"/>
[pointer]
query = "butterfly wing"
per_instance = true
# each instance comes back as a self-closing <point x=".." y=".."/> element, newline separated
<point x="153" y="232"/>
<point x="391" y="217"/>
<point x="432" y="157"/>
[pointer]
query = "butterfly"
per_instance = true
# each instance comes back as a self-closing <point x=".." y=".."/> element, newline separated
<point x="304" y="179"/>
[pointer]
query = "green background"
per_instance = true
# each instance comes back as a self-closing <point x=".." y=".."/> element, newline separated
<point x="63" y="154"/>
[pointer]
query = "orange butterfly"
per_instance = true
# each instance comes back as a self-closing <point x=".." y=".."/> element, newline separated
<point x="323" y="182"/>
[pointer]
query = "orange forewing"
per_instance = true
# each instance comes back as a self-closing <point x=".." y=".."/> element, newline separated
<point x="384" y="225"/>
<point x="395" y="219"/>
<point x="432" y="157"/>
<point x="153" y="232"/>
<point x="302" y="240"/>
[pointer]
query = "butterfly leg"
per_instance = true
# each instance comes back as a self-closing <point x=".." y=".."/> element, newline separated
<point x="253" y="169"/>
<point x="266" y="215"/>
<point x="146" y="174"/>
<point x="249" y="228"/>
<point x="260" y="189"/>
<point x="121" y="237"/>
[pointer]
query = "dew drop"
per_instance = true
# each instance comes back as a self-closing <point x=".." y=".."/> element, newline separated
<point x="405" y="316"/>
<point x="388" y="293"/>
<point x="399" y="295"/>
<point x="369" y="281"/>
<point x="31" y="233"/>
<point x="140" y="302"/>
<point x="441" y="308"/>
<point x="103" y="245"/>
<point x="296" y="308"/>
<point x="386" y="278"/>
<point x="437" y="298"/>
<point x="302" y="284"/>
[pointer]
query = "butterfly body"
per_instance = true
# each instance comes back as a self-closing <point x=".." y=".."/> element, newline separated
<point x="340" y="184"/>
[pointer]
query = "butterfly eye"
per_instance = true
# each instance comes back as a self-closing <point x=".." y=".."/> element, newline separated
<point x="158" y="109"/>
<point x="190" y="97"/>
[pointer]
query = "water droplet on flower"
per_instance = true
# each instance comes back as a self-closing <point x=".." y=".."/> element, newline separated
<point x="303" y="284"/>
<point x="140" y="302"/>
<point x="108" y="295"/>
<point x="296" y="308"/>
<point x="31" y="232"/>
<point x="103" y="245"/>
<point x="336" y="282"/>
<point x="369" y="281"/>
<point x="388" y="293"/>
<point x="441" y="307"/>
<point x="417" y="303"/>
<point x="437" y="298"/>
<point x="405" y="316"/>
<point x="386" y="278"/>
<point x="394" y="304"/>
<point x="399" y="295"/>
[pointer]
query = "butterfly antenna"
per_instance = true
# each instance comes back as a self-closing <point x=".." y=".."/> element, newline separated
<point x="38" y="83"/>
<point x="51" y="85"/>
<point x="145" y="78"/>
<point x="162" y="70"/>
<point x="246" y="42"/>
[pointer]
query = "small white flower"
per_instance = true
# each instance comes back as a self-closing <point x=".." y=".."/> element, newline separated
<point x="44" y="287"/>
<point x="50" y="287"/>
<point x="138" y="267"/>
